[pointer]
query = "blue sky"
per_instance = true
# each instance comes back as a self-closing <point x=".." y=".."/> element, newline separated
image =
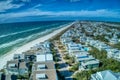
<point x="35" y="10"/>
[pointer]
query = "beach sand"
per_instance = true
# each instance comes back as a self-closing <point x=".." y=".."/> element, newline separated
<point x="8" y="56"/>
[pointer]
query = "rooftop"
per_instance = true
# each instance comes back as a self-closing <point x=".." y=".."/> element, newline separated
<point x="44" y="57"/>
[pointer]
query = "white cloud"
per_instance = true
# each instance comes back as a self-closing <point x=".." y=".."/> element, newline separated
<point x="5" y="5"/>
<point x="83" y="13"/>
<point x="37" y="6"/>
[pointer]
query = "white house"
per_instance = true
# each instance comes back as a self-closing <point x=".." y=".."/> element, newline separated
<point x="105" y="75"/>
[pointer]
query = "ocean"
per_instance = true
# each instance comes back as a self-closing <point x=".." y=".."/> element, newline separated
<point x="14" y="35"/>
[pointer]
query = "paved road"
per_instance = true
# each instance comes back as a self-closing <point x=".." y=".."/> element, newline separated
<point x="64" y="69"/>
<point x="63" y="66"/>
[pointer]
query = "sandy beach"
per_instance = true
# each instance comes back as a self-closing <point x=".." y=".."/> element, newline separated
<point x="9" y="56"/>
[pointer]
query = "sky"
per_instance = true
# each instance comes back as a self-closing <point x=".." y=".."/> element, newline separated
<point x="45" y="10"/>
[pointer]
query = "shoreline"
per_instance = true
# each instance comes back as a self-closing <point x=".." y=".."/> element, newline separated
<point x="8" y="56"/>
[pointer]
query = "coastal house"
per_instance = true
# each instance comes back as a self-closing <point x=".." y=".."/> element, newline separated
<point x="90" y="64"/>
<point x="113" y="41"/>
<point x="110" y="52"/>
<point x="84" y="57"/>
<point x="67" y="34"/>
<point x="94" y="42"/>
<point x="109" y="34"/>
<point x="42" y="71"/>
<point x="44" y="57"/>
<point x="107" y="37"/>
<point x="49" y="74"/>
<point x="47" y="44"/>
<point x="105" y="75"/>
<point x="23" y="69"/>
<point x="17" y="67"/>
<point x="95" y="34"/>
<point x="102" y="46"/>
<point x="90" y="41"/>
<point x="12" y="66"/>
<point x="65" y="40"/>
<point x="71" y="47"/>
<point x="47" y="50"/>
<point x="117" y="56"/>
<point x="37" y="47"/>
<point x="44" y="50"/>
<point x="19" y="57"/>
<point x="43" y="65"/>
<point x="83" y="39"/>
<point x="113" y="53"/>
<point x="86" y="61"/>
<point x="76" y="34"/>
<point x="41" y="45"/>
<point x="77" y="24"/>
<point x="29" y="56"/>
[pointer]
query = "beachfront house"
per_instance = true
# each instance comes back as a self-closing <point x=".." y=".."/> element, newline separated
<point x="29" y="56"/>
<point x="23" y="69"/>
<point x="49" y="74"/>
<point x="105" y="75"/>
<point x="44" y="57"/>
<point x="12" y="66"/>
<point x="47" y="44"/>
<point x="43" y="67"/>
<point x="37" y="47"/>
<point x="17" y="67"/>
<point x="43" y="50"/>
<point x="19" y="57"/>
<point x="40" y="46"/>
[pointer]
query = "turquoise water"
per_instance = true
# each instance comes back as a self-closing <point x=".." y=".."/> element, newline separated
<point x="13" y="35"/>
